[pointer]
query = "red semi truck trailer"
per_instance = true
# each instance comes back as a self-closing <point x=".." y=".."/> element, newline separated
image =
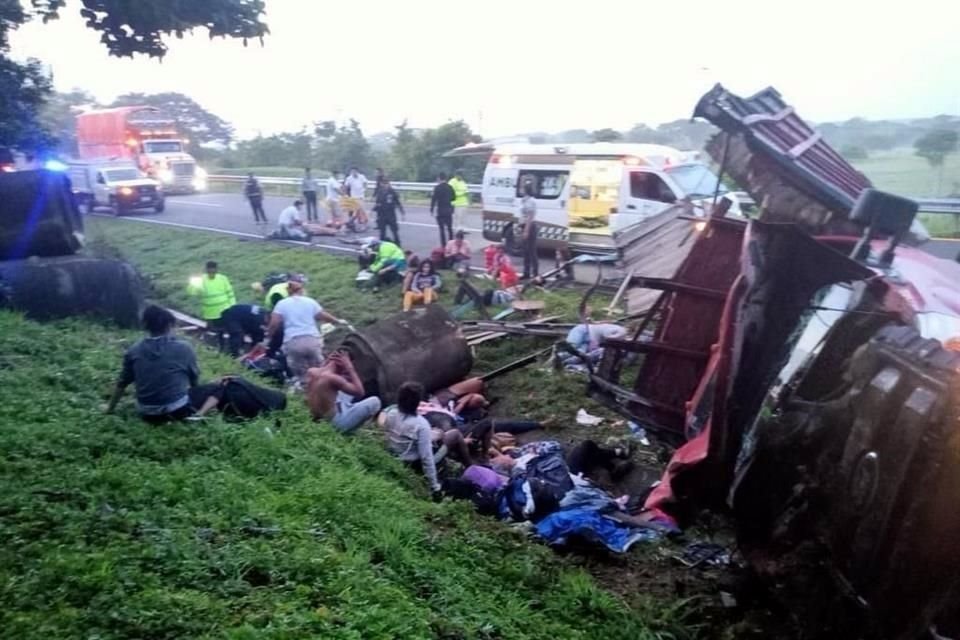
<point x="145" y="135"/>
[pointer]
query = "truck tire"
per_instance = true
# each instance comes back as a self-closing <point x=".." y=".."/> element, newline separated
<point x="160" y="206"/>
<point x="115" y="208"/>
<point x="85" y="205"/>
<point x="74" y="286"/>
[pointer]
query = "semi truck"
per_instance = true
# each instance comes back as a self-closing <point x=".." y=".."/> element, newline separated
<point x="145" y="135"/>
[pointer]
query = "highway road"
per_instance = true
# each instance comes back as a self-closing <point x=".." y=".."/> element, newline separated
<point x="229" y="213"/>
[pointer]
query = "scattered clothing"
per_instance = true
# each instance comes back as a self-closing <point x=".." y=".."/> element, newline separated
<point x="238" y="399"/>
<point x="484" y="478"/>
<point x="590" y="525"/>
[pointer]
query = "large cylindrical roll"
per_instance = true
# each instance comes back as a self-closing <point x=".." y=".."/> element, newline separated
<point x="50" y="288"/>
<point x="424" y="345"/>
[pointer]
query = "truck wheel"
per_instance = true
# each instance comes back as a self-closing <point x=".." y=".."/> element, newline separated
<point x="115" y="208"/>
<point x="160" y="206"/>
<point x="84" y="206"/>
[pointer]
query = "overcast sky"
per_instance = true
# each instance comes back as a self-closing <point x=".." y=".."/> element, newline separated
<point x="508" y="66"/>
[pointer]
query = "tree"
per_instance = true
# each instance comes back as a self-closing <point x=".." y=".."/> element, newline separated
<point x="59" y="116"/>
<point x="201" y="126"/>
<point x="418" y="155"/>
<point x="606" y="135"/>
<point x="934" y="147"/>
<point x="127" y="28"/>
<point x="130" y="28"/>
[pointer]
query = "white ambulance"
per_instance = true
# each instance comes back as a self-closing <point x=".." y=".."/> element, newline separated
<point x="585" y="192"/>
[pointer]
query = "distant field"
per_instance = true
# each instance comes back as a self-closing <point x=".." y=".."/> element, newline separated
<point x="902" y="172"/>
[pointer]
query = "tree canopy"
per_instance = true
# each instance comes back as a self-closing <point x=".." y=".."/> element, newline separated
<point x="936" y="145"/>
<point x="199" y="124"/>
<point x="127" y="28"/>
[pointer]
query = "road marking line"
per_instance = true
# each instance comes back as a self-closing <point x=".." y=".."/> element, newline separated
<point x="199" y="204"/>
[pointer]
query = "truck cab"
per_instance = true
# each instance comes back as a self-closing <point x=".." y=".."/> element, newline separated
<point x="166" y="160"/>
<point x="115" y="185"/>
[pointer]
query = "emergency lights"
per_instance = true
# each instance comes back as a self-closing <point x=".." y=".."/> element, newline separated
<point x="196" y="281"/>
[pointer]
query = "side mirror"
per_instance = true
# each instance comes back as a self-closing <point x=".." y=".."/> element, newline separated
<point x="882" y="213"/>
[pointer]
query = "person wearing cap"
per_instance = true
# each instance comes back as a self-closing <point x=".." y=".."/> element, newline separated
<point x="389" y="263"/>
<point x="296" y="316"/>
<point x="461" y="199"/>
<point x="216" y="296"/>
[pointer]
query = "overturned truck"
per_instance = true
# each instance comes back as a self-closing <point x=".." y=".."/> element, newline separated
<point x="807" y="365"/>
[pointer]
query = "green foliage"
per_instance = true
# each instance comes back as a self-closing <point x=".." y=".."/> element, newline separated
<point x="200" y="125"/>
<point x="59" y="116"/>
<point x="852" y="152"/>
<point x="606" y="135"/>
<point x="935" y="145"/>
<point x="24" y="89"/>
<point x="418" y="155"/>
<point x="131" y="28"/>
<point x="110" y="528"/>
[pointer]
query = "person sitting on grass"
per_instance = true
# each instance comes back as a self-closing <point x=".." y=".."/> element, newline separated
<point x="332" y="390"/>
<point x="162" y="367"/>
<point x="457" y="252"/>
<point x="410" y="438"/>
<point x="423" y="286"/>
<point x="389" y="263"/>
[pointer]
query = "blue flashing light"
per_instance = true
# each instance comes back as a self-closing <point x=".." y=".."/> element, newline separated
<point x="54" y="165"/>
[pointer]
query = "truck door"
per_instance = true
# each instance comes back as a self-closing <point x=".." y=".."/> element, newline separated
<point x="645" y="195"/>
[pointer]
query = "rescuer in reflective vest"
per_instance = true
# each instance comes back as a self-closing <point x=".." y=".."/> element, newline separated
<point x="275" y="294"/>
<point x="216" y="295"/>
<point x="461" y="200"/>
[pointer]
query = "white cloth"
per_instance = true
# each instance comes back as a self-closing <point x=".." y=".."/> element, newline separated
<point x="356" y="186"/>
<point x="299" y="315"/>
<point x="289" y="216"/>
<point x="333" y="186"/>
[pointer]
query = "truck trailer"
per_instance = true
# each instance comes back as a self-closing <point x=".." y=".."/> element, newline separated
<point x="145" y="135"/>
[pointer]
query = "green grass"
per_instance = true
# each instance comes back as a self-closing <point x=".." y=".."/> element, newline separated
<point x="110" y="528"/>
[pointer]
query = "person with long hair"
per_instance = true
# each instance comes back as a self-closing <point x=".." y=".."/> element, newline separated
<point x="423" y="286"/>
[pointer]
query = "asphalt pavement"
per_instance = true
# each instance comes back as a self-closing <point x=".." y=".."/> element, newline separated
<point x="230" y="213"/>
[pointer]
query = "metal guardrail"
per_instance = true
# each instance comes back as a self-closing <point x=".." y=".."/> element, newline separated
<point x="948" y="206"/>
<point x="419" y="187"/>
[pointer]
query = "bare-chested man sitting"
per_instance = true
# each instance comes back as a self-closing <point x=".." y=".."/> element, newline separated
<point x="331" y="392"/>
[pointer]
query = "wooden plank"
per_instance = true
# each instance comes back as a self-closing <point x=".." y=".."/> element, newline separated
<point x="620" y="292"/>
<point x="183" y="318"/>
<point x="654" y="346"/>
<point x="496" y="335"/>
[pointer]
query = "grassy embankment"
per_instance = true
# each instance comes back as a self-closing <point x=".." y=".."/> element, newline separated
<point x="113" y="529"/>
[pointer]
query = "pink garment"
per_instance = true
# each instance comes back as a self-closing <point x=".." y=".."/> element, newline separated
<point x="483" y="477"/>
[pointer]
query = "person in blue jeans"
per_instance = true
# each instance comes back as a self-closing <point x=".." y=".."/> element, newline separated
<point x="332" y="392"/>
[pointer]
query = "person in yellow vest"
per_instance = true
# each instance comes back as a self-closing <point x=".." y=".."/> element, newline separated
<point x="461" y="200"/>
<point x="216" y="296"/>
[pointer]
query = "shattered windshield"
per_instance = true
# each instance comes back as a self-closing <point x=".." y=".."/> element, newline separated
<point x="696" y="180"/>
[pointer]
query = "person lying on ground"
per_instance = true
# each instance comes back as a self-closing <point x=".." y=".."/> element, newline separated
<point x="464" y="398"/>
<point x="162" y="367"/>
<point x="235" y="398"/>
<point x="332" y="392"/>
<point x="423" y="286"/>
<point x="410" y="438"/>
<point x="587" y="338"/>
